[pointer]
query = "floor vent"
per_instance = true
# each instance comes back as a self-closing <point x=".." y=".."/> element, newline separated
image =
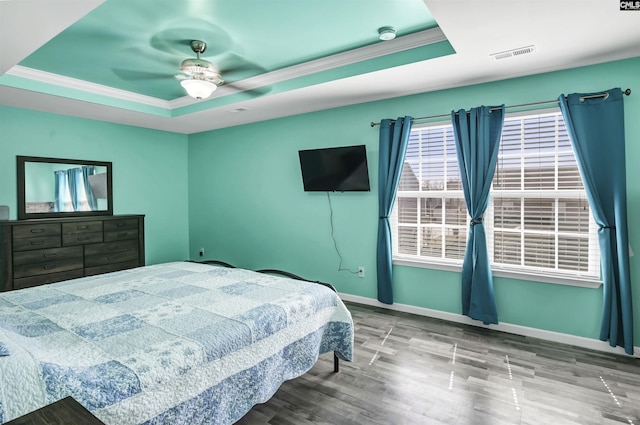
<point x="514" y="52"/>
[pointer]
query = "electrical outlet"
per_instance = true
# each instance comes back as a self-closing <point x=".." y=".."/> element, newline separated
<point x="361" y="271"/>
<point x="202" y="252"/>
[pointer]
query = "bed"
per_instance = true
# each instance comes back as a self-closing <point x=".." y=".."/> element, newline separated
<point x="176" y="343"/>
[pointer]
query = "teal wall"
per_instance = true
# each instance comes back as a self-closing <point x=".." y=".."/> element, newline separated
<point x="237" y="192"/>
<point x="42" y="181"/>
<point x="149" y="169"/>
<point x="247" y="205"/>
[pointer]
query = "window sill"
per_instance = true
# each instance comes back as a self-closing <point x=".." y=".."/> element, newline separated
<point x="585" y="282"/>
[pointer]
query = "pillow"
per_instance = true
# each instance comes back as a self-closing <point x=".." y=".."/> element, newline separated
<point x="4" y="351"/>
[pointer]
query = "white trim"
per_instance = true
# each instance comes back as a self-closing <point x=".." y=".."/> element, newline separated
<point x="186" y="100"/>
<point x="85" y="86"/>
<point x="410" y="262"/>
<point x="411" y="41"/>
<point x="578" y="341"/>
<point x="379" y="49"/>
<point x="583" y="282"/>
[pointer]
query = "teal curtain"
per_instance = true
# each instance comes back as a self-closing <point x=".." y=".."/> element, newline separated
<point x="477" y="135"/>
<point x="60" y="190"/>
<point x="74" y="176"/>
<point x="89" y="170"/>
<point x="596" y="128"/>
<point x="394" y="136"/>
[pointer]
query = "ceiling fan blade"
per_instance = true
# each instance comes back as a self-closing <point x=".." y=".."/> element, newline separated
<point x="245" y="88"/>
<point x="142" y="57"/>
<point x="236" y="68"/>
<point x="135" y="75"/>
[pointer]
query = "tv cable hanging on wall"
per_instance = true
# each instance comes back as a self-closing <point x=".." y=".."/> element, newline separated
<point x="335" y="243"/>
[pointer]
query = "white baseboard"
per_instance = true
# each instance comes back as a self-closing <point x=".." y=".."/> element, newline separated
<point x="579" y="341"/>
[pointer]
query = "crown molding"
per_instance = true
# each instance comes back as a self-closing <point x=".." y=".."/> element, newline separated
<point x="379" y="49"/>
<point x="85" y="86"/>
<point x="383" y="48"/>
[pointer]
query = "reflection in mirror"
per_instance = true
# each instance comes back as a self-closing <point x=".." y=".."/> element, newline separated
<point x="51" y="187"/>
<point x="64" y="188"/>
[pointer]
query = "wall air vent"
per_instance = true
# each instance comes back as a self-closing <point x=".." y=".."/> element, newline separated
<point x="514" y="52"/>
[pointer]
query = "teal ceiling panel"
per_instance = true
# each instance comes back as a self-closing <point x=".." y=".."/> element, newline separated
<point x="138" y="45"/>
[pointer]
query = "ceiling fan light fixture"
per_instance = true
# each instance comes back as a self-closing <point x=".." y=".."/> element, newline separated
<point x="199" y="67"/>
<point x="198" y="89"/>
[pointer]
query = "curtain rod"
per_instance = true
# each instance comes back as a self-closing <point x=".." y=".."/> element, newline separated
<point x="593" y="96"/>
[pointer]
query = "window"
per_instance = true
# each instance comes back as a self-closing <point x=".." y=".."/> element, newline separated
<point x="538" y="220"/>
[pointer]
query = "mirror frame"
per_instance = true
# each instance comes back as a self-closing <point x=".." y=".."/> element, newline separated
<point x="24" y="215"/>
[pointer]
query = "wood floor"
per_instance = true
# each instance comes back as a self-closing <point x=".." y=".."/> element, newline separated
<point x="415" y="370"/>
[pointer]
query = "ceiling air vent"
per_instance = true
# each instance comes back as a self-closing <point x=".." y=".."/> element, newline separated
<point x="514" y="52"/>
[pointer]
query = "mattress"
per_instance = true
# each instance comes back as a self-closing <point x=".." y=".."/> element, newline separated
<point x="176" y="343"/>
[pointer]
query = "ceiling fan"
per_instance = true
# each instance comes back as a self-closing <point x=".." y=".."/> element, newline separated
<point x="159" y="59"/>
<point x="199" y="77"/>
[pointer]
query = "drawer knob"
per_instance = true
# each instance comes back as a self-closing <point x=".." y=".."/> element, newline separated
<point x="37" y="230"/>
<point x="50" y="255"/>
<point x="39" y="242"/>
<point x="82" y="227"/>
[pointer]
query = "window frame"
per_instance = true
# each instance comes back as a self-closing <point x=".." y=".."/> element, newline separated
<point x="499" y="270"/>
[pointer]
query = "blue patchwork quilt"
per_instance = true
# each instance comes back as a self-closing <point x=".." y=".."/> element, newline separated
<point x="177" y="343"/>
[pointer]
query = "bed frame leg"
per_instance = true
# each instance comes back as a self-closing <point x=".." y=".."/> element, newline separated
<point x="336" y="363"/>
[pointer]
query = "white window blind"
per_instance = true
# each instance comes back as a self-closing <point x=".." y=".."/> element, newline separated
<point x="538" y="219"/>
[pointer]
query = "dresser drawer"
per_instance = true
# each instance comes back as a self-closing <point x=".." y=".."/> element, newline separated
<point x="120" y="235"/>
<point x="116" y="225"/>
<point x="44" y="255"/>
<point x="28" y="282"/>
<point x="111" y="247"/>
<point x="26" y="270"/>
<point x="81" y="227"/>
<point x="36" y="230"/>
<point x="81" y="232"/>
<point x="25" y="244"/>
<point x="116" y="257"/>
<point x="117" y="230"/>
<point x="111" y="252"/>
<point x="90" y="271"/>
<point x="81" y="238"/>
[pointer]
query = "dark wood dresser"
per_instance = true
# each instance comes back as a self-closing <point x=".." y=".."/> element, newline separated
<point x="35" y="252"/>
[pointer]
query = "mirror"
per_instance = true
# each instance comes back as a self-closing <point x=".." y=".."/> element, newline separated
<point x="54" y="187"/>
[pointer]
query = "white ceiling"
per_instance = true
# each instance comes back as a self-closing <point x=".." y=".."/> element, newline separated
<point x="566" y="34"/>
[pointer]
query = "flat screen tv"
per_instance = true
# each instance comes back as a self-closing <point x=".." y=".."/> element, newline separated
<point x="341" y="169"/>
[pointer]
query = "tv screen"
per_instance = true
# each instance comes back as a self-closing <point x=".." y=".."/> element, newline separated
<point x="340" y="169"/>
